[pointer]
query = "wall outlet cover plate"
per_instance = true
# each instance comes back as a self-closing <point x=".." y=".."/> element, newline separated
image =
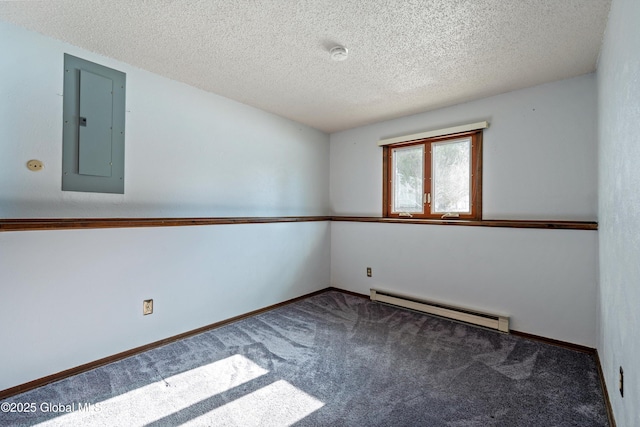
<point x="147" y="306"/>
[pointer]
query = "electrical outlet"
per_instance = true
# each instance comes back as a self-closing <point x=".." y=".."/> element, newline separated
<point x="621" y="382"/>
<point x="147" y="306"/>
<point x="369" y="274"/>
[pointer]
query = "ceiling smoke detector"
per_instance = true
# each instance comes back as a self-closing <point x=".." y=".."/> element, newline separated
<point x="338" y="53"/>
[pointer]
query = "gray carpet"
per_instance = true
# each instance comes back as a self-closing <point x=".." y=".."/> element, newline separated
<point x="331" y="360"/>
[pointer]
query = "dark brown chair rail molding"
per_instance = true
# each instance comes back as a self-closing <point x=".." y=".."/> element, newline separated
<point x="504" y="223"/>
<point x="26" y="224"/>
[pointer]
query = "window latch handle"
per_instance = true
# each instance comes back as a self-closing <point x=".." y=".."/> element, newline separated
<point x="426" y="198"/>
<point x="405" y="214"/>
<point x="450" y="215"/>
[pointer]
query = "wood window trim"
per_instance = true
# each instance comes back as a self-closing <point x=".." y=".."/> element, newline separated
<point x="476" y="180"/>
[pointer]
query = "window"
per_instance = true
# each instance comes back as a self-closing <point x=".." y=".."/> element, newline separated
<point x="438" y="177"/>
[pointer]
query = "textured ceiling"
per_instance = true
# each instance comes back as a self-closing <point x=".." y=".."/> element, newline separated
<point x="404" y="56"/>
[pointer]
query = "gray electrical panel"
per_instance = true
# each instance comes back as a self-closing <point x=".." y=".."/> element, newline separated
<point x="93" y="127"/>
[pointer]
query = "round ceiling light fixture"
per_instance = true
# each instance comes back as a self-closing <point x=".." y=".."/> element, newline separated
<point x="339" y="53"/>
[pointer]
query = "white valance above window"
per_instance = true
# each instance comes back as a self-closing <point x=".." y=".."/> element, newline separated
<point x="432" y="133"/>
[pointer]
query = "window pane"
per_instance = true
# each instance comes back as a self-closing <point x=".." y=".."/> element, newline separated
<point x="408" y="179"/>
<point x="451" y="170"/>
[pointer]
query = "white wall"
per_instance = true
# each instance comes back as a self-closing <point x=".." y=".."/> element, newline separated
<point x="619" y="208"/>
<point x="539" y="163"/>
<point x="544" y="279"/>
<point x="539" y="153"/>
<point x="187" y="152"/>
<point x="71" y="297"/>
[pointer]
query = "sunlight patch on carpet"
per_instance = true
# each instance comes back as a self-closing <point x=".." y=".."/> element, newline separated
<point x="165" y="397"/>
<point x="277" y="405"/>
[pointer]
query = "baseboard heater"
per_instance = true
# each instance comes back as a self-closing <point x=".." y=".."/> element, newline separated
<point x="487" y="320"/>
